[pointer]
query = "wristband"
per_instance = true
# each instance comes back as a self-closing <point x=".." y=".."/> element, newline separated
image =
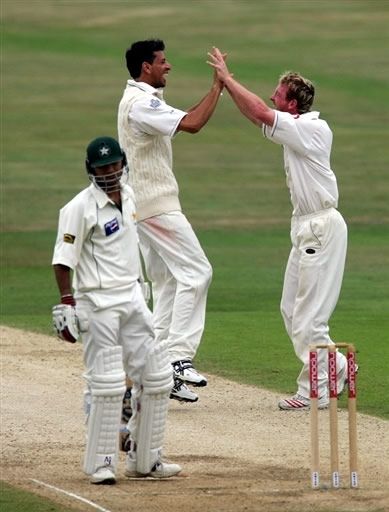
<point x="68" y="299"/>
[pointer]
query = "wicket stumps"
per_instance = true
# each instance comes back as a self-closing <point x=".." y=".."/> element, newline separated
<point x="333" y="406"/>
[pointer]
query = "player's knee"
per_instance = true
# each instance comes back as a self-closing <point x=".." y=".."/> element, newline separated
<point x="287" y="317"/>
<point x="158" y="373"/>
<point x="204" y="278"/>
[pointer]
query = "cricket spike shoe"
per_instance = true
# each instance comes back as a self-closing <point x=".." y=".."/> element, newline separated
<point x="103" y="476"/>
<point x="185" y="371"/>
<point x="300" y="403"/>
<point x="159" y="470"/>
<point x="182" y="393"/>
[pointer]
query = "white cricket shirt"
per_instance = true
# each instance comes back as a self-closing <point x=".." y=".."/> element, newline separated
<point x="307" y="142"/>
<point x="151" y="115"/>
<point x="100" y="244"/>
<point x="146" y="124"/>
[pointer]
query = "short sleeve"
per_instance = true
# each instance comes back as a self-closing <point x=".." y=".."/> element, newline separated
<point x="153" y="116"/>
<point x="70" y="235"/>
<point x="294" y="131"/>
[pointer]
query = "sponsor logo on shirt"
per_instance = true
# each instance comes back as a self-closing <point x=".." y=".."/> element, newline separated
<point x="111" y="227"/>
<point x="154" y="103"/>
<point x="69" y="239"/>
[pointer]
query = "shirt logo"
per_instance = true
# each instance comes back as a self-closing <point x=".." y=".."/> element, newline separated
<point x="154" y="103"/>
<point x="111" y="227"/>
<point x="69" y="239"/>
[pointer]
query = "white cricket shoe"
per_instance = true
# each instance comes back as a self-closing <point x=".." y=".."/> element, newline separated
<point x="103" y="475"/>
<point x="159" y="470"/>
<point x="300" y="403"/>
<point x="182" y="393"/>
<point x="185" y="371"/>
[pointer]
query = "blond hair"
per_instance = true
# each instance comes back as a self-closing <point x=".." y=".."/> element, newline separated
<point x="300" y="89"/>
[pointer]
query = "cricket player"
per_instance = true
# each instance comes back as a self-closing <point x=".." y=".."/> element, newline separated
<point x="97" y="242"/>
<point x="175" y="262"/>
<point x="314" y="272"/>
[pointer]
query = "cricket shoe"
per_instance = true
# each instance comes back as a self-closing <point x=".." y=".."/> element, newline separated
<point x="182" y="393"/>
<point x="342" y="379"/>
<point x="299" y="403"/>
<point x="159" y="470"/>
<point x="103" y="475"/>
<point x="124" y="437"/>
<point x="185" y="371"/>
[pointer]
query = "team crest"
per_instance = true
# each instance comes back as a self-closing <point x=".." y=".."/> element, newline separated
<point x="104" y="151"/>
<point x="154" y="103"/>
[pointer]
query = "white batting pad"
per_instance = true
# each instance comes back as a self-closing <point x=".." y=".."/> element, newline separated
<point x="107" y="387"/>
<point x="157" y="384"/>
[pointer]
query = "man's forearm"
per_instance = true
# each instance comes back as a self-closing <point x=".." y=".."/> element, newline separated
<point x="252" y="106"/>
<point x="63" y="278"/>
<point x="199" y="114"/>
<point x="197" y="105"/>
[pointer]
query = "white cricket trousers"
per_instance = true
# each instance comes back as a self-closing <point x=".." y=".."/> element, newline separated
<point x="312" y="283"/>
<point x="126" y="322"/>
<point x="180" y="275"/>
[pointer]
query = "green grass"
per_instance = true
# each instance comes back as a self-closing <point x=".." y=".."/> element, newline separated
<point x="62" y="77"/>
<point x="16" y="500"/>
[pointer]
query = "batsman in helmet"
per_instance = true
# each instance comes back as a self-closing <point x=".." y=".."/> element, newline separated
<point x="98" y="271"/>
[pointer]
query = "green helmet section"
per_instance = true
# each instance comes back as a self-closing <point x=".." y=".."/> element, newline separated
<point x="103" y="151"/>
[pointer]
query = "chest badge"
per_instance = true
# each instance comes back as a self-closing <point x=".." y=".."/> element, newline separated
<point x="111" y="227"/>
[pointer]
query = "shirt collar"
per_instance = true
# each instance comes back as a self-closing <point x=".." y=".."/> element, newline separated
<point x="146" y="88"/>
<point x="101" y="197"/>
<point x="311" y="115"/>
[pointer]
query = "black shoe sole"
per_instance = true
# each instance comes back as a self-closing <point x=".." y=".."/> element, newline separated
<point x="200" y="384"/>
<point x="173" y="397"/>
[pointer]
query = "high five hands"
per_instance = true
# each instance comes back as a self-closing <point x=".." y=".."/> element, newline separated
<point x="219" y="65"/>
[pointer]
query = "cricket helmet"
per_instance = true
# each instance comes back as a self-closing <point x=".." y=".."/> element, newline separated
<point x="104" y="151"/>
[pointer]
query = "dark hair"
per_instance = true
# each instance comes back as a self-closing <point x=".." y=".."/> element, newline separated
<point x="299" y="88"/>
<point x="140" y="52"/>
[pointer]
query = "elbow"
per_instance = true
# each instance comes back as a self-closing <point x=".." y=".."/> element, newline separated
<point x="191" y="126"/>
<point x="194" y="129"/>
<point x="263" y="116"/>
<point x="257" y="113"/>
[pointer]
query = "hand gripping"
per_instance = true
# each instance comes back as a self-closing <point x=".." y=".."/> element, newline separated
<point x="65" y="322"/>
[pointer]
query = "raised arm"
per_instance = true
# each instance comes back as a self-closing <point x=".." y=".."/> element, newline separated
<point x="199" y="114"/>
<point x="252" y="106"/>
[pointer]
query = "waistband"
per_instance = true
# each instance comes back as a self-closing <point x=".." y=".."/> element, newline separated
<point x="313" y="215"/>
